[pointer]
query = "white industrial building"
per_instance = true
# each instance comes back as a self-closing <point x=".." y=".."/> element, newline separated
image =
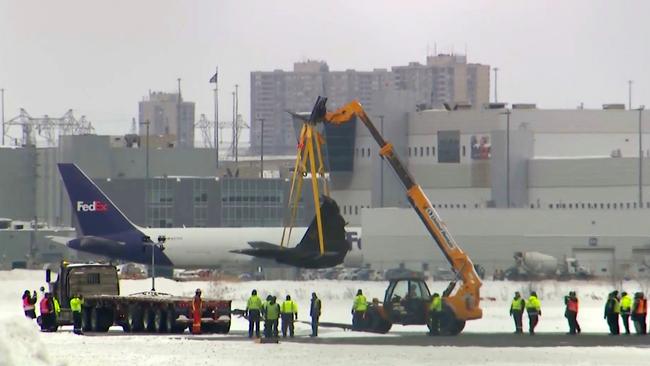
<point x="570" y="178"/>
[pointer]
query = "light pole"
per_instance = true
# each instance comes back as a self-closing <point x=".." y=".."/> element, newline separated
<point x="629" y="94"/>
<point x="381" y="166"/>
<point x="262" y="148"/>
<point x="496" y="71"/>
<point x="146" y="172"/>
<point x="641" y="108"/>
<point x="507" y="113"/>
<point x="216" y="115"/>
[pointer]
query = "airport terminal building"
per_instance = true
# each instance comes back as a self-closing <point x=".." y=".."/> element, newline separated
<point x="504" y="178"/>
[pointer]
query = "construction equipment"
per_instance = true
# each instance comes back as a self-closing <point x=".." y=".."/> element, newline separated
<point x="538" y="266"/>
<point x="459" y="306"/>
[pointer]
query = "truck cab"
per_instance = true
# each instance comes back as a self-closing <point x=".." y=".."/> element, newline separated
<point x="81" y="279"/>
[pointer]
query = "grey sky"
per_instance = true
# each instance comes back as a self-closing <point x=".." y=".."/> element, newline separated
<point x="102" y="57"/>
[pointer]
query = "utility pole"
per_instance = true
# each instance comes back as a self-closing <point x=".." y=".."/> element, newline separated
<point x="236" y="123"/>
<point x="178" y="116"/>
<point x="507" y="113"/>
<point x="640" y="157"/>
<point x="262" y="148"/>
<point x="234" y="127"/>
<point x="629" y="94"/>
<point x="2" y="91"/>
<point x="146" y="173"/>
<point x="216" y="116"/>
<point x="381" y="166"/>
<point x="496" y="71"/>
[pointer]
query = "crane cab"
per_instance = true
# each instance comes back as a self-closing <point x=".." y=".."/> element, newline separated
<point x="407" y="300"/>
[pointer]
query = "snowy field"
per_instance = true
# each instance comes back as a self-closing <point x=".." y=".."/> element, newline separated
<point x="22" y="344"/>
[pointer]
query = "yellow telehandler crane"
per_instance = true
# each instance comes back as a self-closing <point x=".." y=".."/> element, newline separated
<point x="459" y="305"/>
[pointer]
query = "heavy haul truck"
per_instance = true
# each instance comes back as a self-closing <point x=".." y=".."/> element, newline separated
<point x="407" y="299"/>
<point x="143" y="312"/>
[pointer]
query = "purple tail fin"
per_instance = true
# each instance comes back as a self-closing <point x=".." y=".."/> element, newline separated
<point x="96" y="214"/>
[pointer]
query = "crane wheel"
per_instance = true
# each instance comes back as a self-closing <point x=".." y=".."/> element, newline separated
<point x="449" y="324"/>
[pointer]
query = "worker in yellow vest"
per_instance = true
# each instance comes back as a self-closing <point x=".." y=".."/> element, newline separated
<point x="435" y="312"/>
<point x="271" y="316"/>
<point x="626" y="310"/>
<point x="253" y="311"/>
<point x="289" y="311"/>
<point x="359" y="308"/>
<point x="517" y="312"/>
<point x="76" y="304"/>
<point x="534" y="310"/>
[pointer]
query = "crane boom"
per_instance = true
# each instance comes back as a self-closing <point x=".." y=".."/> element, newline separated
<point x="465" y="301"/>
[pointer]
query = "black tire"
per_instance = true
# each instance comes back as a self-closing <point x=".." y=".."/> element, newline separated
<point x="449" y="324"/>
<point x="172" y="326"/>
<point x="148" y="316"/>
<point x="86" y="325"/>
<point x="100" y="320"/>
<point x="160" y="321"/>
<point x="224" y="328"/>
<point x="376" y="324"/>
<point x="134" y="319"/>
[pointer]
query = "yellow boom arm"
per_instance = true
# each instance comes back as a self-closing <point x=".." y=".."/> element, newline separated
<point x="465" y="301"/>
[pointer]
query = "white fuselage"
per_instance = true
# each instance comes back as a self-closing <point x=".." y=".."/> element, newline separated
<point x="210" y="247"/>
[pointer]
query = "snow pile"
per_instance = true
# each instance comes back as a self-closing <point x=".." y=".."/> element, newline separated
<point x="20" y="343"/>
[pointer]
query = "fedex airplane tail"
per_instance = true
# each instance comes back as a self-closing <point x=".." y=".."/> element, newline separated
<point x="96" y="214"/>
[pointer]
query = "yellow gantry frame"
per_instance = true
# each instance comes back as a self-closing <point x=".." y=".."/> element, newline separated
<point x="309" y="150"/>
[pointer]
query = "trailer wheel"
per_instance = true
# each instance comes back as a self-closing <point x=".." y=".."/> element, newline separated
<point x="134" y="319"/>
<point x="222" y="328"/>
<point x="86" y="324"/>
<point x="160" y="321"/>
<point x="170" y="320"/>
<point x="148" y="316"/>
<point x="99" y="320"/>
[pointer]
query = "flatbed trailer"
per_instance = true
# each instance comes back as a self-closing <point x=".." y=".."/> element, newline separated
<point x="152" y="312"/>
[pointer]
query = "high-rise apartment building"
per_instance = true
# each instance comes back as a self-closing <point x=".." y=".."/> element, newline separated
<point x="171" y="119"/>
<point x="444" y="79"/>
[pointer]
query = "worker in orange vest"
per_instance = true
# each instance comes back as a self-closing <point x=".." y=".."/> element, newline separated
<point x="571" y="312"/>
<point x="639" y="313"/>
<point x="47" y="313"/>
<point x="197" y="310"/>
<point x="29" y="304"/>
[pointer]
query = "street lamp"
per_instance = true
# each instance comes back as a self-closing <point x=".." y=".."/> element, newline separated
<point x="641" y="108"/>
<point x="507" y="113"/>
<point x="146" y="169"/>
<point x="261" y="148"/>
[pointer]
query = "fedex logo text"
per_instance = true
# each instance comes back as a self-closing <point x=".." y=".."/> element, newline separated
<point x="95" y="206"/>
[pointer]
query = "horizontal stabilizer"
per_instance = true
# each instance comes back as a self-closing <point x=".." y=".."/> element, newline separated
<point x="307" y="253"/>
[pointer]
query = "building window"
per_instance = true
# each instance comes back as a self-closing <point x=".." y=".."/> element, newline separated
<point x="356" y="209"/>
<point x="627" y="205"/>
<point x="421" y="151"/>
<point x="409" y="151"/>
<point x="427" y="151"/>
<point x="433" y="151"/>
<point x="608" y="206"/>
<point x="363" y="152"/>
<point x="368" y="152"/>
<point x="463" y="150"/>
<point x="615" y="205"/>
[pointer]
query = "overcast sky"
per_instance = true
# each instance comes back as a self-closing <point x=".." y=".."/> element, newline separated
<point x="101" y="57"/>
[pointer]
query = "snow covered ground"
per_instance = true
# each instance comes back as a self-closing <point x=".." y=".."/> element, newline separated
<point x="22" y="344"/>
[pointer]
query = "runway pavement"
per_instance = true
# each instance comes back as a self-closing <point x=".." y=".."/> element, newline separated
<point x="486" y="340"/>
